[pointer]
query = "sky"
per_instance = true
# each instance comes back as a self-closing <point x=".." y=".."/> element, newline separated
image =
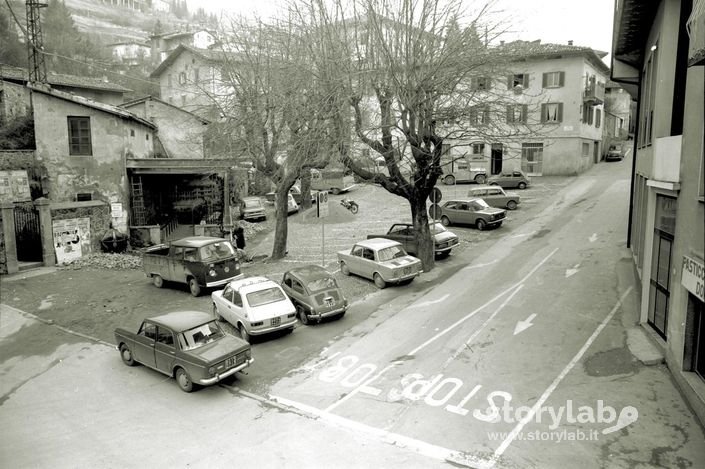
<point x="587" y="24"/>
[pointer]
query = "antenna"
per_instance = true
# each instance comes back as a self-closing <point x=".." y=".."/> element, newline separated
<point x="35" y="44"/>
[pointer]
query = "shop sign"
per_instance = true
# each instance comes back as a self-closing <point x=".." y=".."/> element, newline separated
<point x="693" y="277"/>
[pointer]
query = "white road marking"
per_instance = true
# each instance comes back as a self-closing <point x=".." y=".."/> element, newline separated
<point x="547" y="393"/>
<point x="571" y="272"/>
<point x="366" y="384"/>
<point x="593" y="238"/>
<point x="477" y="266"/>
<point x="464" y="347"/>
<point x="524" y="325"/>
<point x="430" y="302"/>
<point x="522" y="234"/>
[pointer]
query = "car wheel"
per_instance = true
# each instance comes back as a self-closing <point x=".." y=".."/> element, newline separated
<point x="242" y="332"/>
<point x="498" y="224"/>
<point x="445" y="221"/>
<point x="493" y="184"/>
<point x="158" y="281"/>
<point x="303" y="317"/>
<point x="511" y="205"/>
<point x="194" y="286"/>
<point x="344" y="268"/>
<point x="522" y="185"/>
<point x="379" y="281"/>
<point x="480" y="179"/>
<point x="216" y="314"/>
<point x="449" y="180"/>
<point x="184" y="380"/>
<point x="480" y="224"/>
<point x="126" y="355"/>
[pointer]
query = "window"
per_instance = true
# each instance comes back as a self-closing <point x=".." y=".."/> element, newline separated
<point x="479" y="115"/>
<point x="148" y="330"/>
<point x="357" y="251"/>
<point x="368" y="254"/>
<point x="659" y="290"/>
<point x="237" y="299"/>
<point x="296" y="286"/>
<point x="182" y="78"/>
<point x="84" y="196"/>
<point x="164" y="336"/>
<point x="516" y="113"/>
<point x="553" y="79"/>
<point x="552" y="112"/>
<point x="598" y="118"/>
<point x="588" y="114"/>
<point x="532" y="158"/>
<point x="478" y="148"/>
<point x="586" y="149"/>
<point x="146" y="136"/>
<point x="79" y="136"/>
<point x="697" y="312"/>
<point x="195" y="75"/>
<point x="132" y="132"/>
<point x="479" y="83"/>
<point x="518" y="82"/>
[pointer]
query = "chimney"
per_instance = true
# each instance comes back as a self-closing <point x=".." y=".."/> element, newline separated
<point x="570" y="43"/>
<point x="501" y="43"/>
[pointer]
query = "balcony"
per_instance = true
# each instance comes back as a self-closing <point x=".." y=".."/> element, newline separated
<point x="594" y="92"/>
<point x="666" y="163"/>
<point x="696" y="31"/>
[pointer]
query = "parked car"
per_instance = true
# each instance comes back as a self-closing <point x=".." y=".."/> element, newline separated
<point x="510" y="179"/>
<point x="443" y="240"/>
<point x="198" y="261"/>
<point x="382" y="260"/>
<point x="315" y="293"/>
<point x="254" y="306"/>
<point x="295" y="191"/>
<point x="187" y="345"/>
<point x="615" y="152"/>
<point x="252" y="208"/>
<point x="471" y="212"/>
<point x="291" y="205"/>
<point x="495" y="196"/>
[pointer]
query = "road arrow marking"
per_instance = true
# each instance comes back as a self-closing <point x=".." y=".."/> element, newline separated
<point x="571" y="272"/>
<point x="431" y="302"/>
<point x="524" y="325"/>
<point x="593" y="238"/>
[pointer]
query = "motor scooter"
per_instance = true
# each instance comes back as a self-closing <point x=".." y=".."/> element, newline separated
<point x="350" y="205"/>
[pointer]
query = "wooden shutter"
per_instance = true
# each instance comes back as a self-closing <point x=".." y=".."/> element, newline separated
<point x="543" y="113"/>
<point x="598" y="118"/>
<point x="486" y="115"/>
<point x="510" y="114"/>
<point x="510" y="82"/>
<point x="544" y="80"/>
<point x="561" y="79"/>
<point x="526" y="81"/>
<point x="524" y="112"/>
<point x="560" y="112"/>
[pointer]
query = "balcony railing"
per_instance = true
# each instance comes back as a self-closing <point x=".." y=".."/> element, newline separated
<point x="594" y="92"/>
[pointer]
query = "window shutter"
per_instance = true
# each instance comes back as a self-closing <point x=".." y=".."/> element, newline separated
<point x="524" y="112"/>
<point x="561" y="79"/>
<point x="526" y="81"/>
<point x="473" y="115"/>
<point x="543" y="113"/>
<point x="598" y="118"/>
<point x="486" y="115"/>
<point x="510" y="114"/>
<point x="510" y="82"/>
<point x="560" y="112"/>
<point x="544" y="79"/>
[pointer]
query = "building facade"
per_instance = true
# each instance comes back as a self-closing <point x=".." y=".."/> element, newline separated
<point x="550" y="117"/>
<point x="658" y="52"/>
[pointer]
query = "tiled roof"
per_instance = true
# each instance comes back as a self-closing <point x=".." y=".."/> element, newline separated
<point x="89" y="103"/>
<point x="20" y="74"/>
<point x="152" y="98"/>
<point x="209" y="55"/>
<point x="527" y="50"/>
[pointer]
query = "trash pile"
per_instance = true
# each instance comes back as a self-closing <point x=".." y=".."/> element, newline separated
<point x="105" y="261"/>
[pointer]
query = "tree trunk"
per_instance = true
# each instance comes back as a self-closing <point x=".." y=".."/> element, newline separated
<point x="281" y="227"/>
<point x="419" y="216"/>
<point x="306" y="189"/>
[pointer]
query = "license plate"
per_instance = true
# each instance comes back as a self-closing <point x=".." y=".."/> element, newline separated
<point x="230" y="362"/>
<point x="329" y="301"/>
<point x="276" y="321"/>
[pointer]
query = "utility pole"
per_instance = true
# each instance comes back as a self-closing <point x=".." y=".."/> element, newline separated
<point x="35" y="42"/>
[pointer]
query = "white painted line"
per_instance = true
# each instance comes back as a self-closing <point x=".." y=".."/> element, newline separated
<point x="547" y="393"/>
<point x="316" y="365"/>
<point x="477" y="266"/>
<point x="463" y="347"/>
<point x="417" y="446"/>
<point x="366" y="384"/>
<point x="522" y="234"/>
<point x="430" y="302"/>
<point x="573" y="271"/>
<point x="498" y="296"/>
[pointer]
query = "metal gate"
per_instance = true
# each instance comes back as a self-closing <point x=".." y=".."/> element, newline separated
<point x="27" y="233"/>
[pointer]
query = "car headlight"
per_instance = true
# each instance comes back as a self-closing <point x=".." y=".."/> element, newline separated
<point x="211" y="273"/>
<point x="211" y="370"/>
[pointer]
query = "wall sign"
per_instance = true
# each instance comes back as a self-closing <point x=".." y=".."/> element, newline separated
<point x="14" y="186"/>
<point x="693" y="277"/>
<point x="72" y="238"/>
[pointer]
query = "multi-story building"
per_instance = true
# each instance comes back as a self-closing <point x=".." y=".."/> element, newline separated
<point x="130" y="52"/>
<point x="163" y="44"/>
<point x="658" y="54"/>
<point x="548" y="118"/>
<point x="619" y="109"/>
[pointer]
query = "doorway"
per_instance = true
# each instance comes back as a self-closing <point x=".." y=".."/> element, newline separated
<point x="496" y="158"/>
<point x="596" y="151"/>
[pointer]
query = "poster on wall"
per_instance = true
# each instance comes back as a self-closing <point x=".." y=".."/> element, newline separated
<point x="72" y="238"/>
<point x="14" y="186"/>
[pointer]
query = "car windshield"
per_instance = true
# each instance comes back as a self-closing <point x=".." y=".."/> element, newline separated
<point x="252" y="203"/>
<point x="200" y="335"/>
<point x="324" y="283"/>
<point x="437" y="227"/>
<point x="481" y="203"/>
<point x="392" y="252"/>
<point x="266" y="296"/>
<point x="217" y="251"/>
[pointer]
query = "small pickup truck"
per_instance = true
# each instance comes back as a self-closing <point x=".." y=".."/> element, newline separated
<point x="198" y="261"/>
<point x="443" y="240"/>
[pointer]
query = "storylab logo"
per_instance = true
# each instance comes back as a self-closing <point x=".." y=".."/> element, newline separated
<point x="568" y="414"/>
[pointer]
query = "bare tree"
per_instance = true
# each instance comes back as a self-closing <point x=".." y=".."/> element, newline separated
<point x="402" y="76"/>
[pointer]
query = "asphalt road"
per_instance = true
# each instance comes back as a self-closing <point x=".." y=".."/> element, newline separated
<point x="523" y="335"/>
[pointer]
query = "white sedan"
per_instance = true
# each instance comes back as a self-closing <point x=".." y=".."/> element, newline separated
<point x="254" y="306"/>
